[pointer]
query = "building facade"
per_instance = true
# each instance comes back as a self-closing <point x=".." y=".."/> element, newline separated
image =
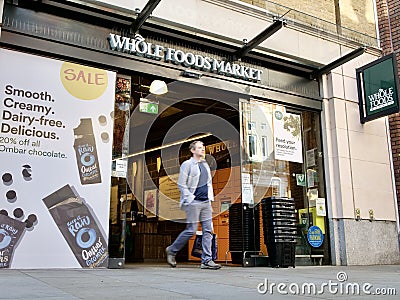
<point x="269" y="87"/>
<point x="389" y="37"/>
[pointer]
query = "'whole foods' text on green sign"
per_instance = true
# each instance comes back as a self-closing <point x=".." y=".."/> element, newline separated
<point x="378" y="89"/>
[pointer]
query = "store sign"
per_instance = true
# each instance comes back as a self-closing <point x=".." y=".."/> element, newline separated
<point x="378" y="89"/>
<point x="138" y="46"/>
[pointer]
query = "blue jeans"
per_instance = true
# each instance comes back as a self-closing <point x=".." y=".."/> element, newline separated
<point x="196" y="211"/>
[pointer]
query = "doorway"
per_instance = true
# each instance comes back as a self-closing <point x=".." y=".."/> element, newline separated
<point x="144" y="214"/>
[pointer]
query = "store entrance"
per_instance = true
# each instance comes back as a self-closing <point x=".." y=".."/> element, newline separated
<point x="144" y="209"/>
<point x="258" y="151"/>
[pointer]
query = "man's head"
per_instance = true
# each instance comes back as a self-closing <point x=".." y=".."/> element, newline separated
<point x="197" y="149"/>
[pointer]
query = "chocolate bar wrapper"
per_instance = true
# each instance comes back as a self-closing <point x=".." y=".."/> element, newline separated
<point x="10" y="233"/>
<point x="79" y="227"/>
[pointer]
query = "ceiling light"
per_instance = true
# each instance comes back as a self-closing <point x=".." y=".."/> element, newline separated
<point x="124" y="106"/>
<point x="158" y="87"/>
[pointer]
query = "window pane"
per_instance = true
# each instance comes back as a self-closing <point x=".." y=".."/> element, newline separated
<point x="264" y="146"/>
<point x="252" y="145"/>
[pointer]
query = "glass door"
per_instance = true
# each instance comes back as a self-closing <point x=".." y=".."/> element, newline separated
<point x="281" y="156"/>
<point x="121" y="198"/>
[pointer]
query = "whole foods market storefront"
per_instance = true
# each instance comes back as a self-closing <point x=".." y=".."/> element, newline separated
<point x="261" y="129"/>
<point x="239" y="135"/>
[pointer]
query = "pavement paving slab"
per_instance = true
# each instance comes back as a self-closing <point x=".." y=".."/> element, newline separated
<point x="188" y="281"/>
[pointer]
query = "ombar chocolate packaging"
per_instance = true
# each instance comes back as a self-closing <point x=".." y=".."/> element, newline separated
<point x="86" y="153"/>
<point x="79" y="227"/>
<point x="10" y="233"/>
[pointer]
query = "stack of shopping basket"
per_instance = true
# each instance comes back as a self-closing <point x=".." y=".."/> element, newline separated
<point x="279" y="225"/>
<point x="244" y="231"/>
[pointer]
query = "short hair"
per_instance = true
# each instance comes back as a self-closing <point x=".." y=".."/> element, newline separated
<point x="193" y="144"/>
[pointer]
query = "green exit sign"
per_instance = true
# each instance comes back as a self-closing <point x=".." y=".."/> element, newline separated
<point x="148" y="107"/>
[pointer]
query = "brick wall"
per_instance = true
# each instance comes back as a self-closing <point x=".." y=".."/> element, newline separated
<point x="390" y="41"/>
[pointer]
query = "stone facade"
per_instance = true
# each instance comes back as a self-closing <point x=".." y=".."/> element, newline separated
<point x="357" y="15"/>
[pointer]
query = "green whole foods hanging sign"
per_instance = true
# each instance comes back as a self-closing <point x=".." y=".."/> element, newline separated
<point x="378" y="92"/>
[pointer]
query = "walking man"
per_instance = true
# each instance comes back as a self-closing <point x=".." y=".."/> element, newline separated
<point x="195" y="185"/>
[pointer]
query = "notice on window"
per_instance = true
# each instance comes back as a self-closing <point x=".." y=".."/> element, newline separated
<point x="247" y="189"/>
<point x="310" y="158"/>
<point x="301" y="179"/>
<point x="320" y="204"/>
<point x="121" y="167"/>
<point x="287" y="137"/>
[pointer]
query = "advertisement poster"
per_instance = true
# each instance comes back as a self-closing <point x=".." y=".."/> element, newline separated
<point x="169" y="197"/>
<point x="287" y="137"/>
<point x="55" y="147"/>
<point x="150" y="202"/>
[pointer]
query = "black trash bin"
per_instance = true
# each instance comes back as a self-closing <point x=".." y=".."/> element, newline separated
<point x="279" y="225"/>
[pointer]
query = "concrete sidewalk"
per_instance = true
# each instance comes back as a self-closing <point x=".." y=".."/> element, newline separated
<point x="188" y="281"/>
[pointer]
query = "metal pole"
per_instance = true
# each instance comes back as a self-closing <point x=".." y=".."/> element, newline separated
<point x="123" y="235"/>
